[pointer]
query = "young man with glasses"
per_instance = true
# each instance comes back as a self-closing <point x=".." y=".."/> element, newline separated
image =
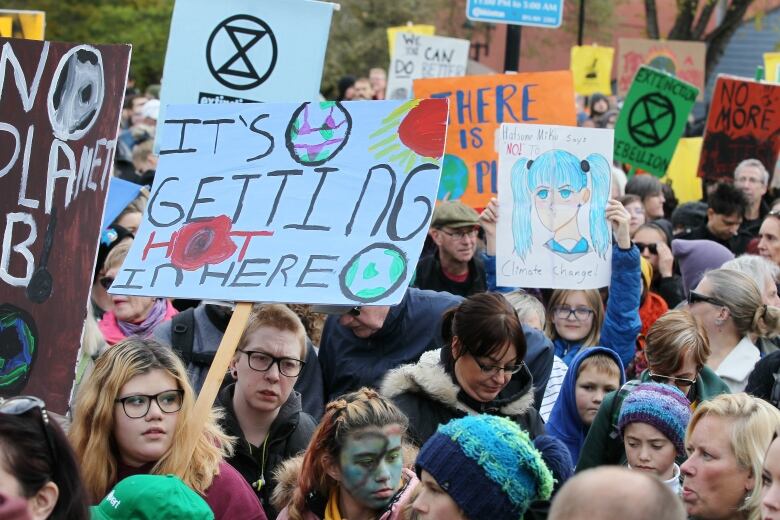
<point x="453" y="267"/>
<point x="261" y="408"/>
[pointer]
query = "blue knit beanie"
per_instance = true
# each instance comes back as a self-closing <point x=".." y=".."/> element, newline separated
<point x="663" y="407"/>
<point x="487" y="465"/>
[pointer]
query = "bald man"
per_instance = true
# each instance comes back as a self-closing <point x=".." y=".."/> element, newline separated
<point x="615" y="492"/>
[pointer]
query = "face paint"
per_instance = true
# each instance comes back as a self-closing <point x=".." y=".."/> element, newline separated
<point x="371" y="465"/>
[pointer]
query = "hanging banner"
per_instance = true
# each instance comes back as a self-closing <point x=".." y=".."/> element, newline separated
<point x="416" y="56"/>
<point x="682" y="170"/>
<point x="683" y="60"/>
<point x="743" y="123"/>
<point x="554" y="184"/>
<point x="59" y="113"/>
<point x="772" y="66"/>
<point x="26" y="25"/>
<point x="322" y="203"/>
<point x="652" y="120"/>
<point x="425" y="30"/>
<point x="478" y="105"/>
<point x="591" y="67"/>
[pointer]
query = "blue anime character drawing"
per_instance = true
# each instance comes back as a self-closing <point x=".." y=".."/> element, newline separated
<point x="555" y="184"/>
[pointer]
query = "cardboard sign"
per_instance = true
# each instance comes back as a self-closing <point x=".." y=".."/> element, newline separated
<point x="743" y="123"/>
<point x="682" y="170"/>
<point x="683" y="60"/>
<point x="59" y="114"/>
<point x="324" y="203"/>
<point x="652" y="120"/>
<point x="478" y="105"/>
<point x="417" y="56"/>
<point x="554" y="183"/>
<point x="239" y="51"/>
<point x="772" y="66"/>
<point x="27" y="25"/>
<point x="591" y="67"/>
<point x="425" y="30"/>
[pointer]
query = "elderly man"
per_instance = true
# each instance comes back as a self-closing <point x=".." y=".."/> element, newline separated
<point x="752" y="178"/>
<point x="453" y="266"/>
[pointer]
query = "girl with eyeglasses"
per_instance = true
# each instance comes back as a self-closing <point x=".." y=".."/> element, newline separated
<point x="37" y="463"/>
<point x="130" y="418"/>
<point x="729" y="306"/>
<point x="479" y="369"/>
<point x="677" y="351"/>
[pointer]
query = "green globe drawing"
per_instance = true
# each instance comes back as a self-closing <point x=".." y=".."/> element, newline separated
<point x="373" y="273"/>
<point x="454" y="178"/>
<point x="317" y="132"/>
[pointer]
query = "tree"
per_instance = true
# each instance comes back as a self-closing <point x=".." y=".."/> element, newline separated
<point x="689" y="26"/>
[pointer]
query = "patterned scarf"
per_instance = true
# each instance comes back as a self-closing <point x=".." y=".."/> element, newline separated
<point x="145" y="328"/>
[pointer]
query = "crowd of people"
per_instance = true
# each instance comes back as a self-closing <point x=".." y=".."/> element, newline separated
<point x="656" y="397"/>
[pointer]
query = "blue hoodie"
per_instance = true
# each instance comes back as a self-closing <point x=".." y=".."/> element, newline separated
<point x="565" y="423"/>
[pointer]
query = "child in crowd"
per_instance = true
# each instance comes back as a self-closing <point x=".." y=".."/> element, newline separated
<point x="592" y="374"/>
<point x="652" y="421"/>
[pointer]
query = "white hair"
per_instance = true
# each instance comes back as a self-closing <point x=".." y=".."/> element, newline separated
<point x="753" y="163"/>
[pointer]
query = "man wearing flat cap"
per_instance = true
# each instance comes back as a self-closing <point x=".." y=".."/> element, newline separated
<point x="453" y="267"/>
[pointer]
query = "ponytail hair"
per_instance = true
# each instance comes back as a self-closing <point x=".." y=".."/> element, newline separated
<point x="742" y="297"/>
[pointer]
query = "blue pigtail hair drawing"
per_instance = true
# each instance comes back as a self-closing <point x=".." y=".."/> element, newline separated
<point x="601" y="177"/>
<point x="521" y="212"/>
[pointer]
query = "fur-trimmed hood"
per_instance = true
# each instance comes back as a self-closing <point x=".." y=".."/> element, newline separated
<point x="429" y="377"/>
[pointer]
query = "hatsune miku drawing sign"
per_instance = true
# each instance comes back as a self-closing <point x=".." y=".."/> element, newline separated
<point x="553" y="187"/>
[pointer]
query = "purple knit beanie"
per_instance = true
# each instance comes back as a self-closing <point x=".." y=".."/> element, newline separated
<point x="695" y="257"/>
<point x="663" y="407"/>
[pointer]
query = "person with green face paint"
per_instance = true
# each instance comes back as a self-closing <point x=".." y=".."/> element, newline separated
<point x="353" y="468"/>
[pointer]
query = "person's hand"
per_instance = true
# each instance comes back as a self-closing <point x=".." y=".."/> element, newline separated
<point x="488" y="220"/>
<point x="665" y="259"/>
<point x="620" y="218"/>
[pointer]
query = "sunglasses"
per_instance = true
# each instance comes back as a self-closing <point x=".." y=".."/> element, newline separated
<point x="642" y="246"/>
<point x="24" y="403"/>
<point x="694" y="297"/>
<point x="671" y="380"/>
<point x="106" y="282"/>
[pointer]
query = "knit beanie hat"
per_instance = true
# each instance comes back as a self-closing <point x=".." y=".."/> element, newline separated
<point x="487" y="465"/>
<point x="663" y="407"/>
<point x="695" y="257"/>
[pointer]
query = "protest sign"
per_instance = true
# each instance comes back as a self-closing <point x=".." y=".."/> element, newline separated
<point x="681" y="173"/>
<point x="120" y="194"/>
<point x="652" y="120"/>
<point x="478" y="105"/>
<point x="591" y="67"/>
<point x="60" y="106"/>
<point x="425" y="30"/>
<point x="554" y="183"/>
<point x="239" y="51"/>
<point x="416" y="56"/>
<point x="772" y="66"/>
<point x="683" y="60"/>
<point x="325" y="203"/>
<point x="27" y="25"/>
<point x="743" y="123"/>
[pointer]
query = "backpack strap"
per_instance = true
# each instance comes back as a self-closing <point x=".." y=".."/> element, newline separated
<point x="183" y="334"/>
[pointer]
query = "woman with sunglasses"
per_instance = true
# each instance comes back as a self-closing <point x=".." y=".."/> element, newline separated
<point x="654" y="241"/>
<point x="261" y="408"/>
<point x="729" y="306"/>
<point x="37" y="463"/>
<point x="677" y="351"/>
<point x="130" y="418"/>
<point x="130" y="315"/>
<point x="479" y="370"/>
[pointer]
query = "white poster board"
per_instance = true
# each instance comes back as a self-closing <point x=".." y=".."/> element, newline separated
<point x="553" y="187"/>
<point x="418" y="56"/>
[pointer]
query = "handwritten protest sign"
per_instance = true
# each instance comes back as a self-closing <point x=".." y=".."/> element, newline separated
<point x="652" y="120"/>
<point x="423" y="29"/>
<point x="59" y="113"/>
<point x="743" y="123"/>
<point x="416" y="56"/>
<point x="772" y="66"/>
<point x="554" y="183"/>
<point x="591" y="67"/>
<point x="682" y="170"/>
<point x="323" y="203"/>
<point x="684" y="60"/>
<point x="241" y="51"/>
<point x="28" y="25"/>
<point x="478" y="105"/>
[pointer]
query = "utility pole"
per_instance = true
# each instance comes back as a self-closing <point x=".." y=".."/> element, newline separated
<point x="512" y="51"/>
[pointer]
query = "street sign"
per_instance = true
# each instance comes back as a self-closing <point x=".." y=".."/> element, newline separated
<point x="517" y="12"/>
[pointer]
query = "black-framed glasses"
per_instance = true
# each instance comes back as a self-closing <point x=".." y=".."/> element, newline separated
<point x="564" y="312"/>
<point x="262" y="362"/>
<point x="354" y="312"/>
<point x="463" y="233"/>
<point x="672" y="380"/>
<point x="138" y="405"/>
<point x="493" y="369"/>
<point x="694" y="297"/>
<point x="106" y="282"/>
<point x="24" y="403"/>
<point x="653" y="248"/>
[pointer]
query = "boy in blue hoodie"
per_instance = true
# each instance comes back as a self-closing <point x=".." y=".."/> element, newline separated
<point x="592" y="374"/>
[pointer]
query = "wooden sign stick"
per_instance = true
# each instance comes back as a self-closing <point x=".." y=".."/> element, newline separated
<point x="208" y="393"/>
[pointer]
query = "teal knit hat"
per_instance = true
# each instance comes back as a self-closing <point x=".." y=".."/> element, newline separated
<point x="487" y="465"/>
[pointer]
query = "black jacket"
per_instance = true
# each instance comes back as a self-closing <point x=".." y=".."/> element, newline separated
<point x="289" y="435"/>
<point x="429" y="396"/>
<point x="429" y="275"/>
<point x="737" y="244"/>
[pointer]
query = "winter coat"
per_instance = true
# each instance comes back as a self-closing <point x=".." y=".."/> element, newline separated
<point x="429" y="396"/>
<point x="429" y="275"/>
<point x="289" y="435"/>
<point x="565" y="422"/>
<point x="621" y="321"/>
<point x="603" y="446"/>
<point x="762" y="380"/>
